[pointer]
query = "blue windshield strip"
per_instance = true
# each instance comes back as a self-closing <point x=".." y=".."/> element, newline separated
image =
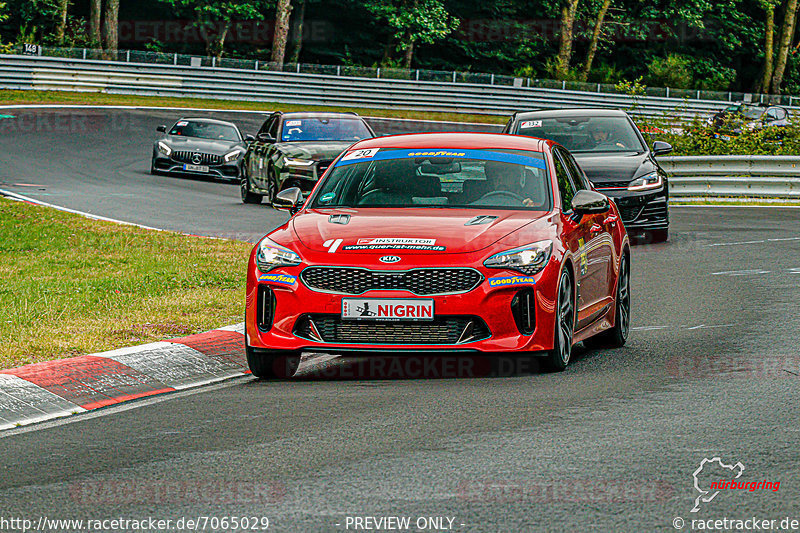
<point x="384" y="155"/>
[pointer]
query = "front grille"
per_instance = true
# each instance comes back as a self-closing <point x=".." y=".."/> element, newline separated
<point x="441" y="330"/>
<point x="629" y="213"/>
<point x="654" y="212"/>
<point x="420" y="281"/>
<point x="205" y="159"/>
<point x="612" y="185"/>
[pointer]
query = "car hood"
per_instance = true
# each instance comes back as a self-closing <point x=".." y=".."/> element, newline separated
<point x="607" y="168"/>
<point x="208" y="146"/>
<point x="316" y="151"/>
<point x="406" y="230"/>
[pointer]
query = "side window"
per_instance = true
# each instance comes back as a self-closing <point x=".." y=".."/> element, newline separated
<point x="565" y="185"/>
<point x="579" y="179"/>
<point x="772" y="113"/>
<point x="266" y="126"/>
<point x="273" y="128"/>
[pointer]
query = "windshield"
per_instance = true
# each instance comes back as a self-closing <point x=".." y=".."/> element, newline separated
<point x="513" y="179"/>
<point x="585" y="134"/>
<point x="205" y="130"/>
<point x="324" y="129"/>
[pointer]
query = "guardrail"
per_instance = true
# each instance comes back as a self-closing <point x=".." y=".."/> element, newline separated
<point x="47" y="73"/>
<point x="736" y="176"/>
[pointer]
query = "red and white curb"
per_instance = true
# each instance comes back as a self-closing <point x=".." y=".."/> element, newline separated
<point x="54" y="389"/>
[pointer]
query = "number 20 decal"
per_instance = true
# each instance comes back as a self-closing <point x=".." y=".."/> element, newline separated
<point x="366" y="153"/>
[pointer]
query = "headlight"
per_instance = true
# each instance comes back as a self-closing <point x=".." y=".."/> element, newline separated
<point x="164" y="148"/>
<point x="233" y="156"/>
<point x="293" y="162"/>
<point x="270" y="256"/>
<point x="646" y="182"/>
<point x="528" y="259"/>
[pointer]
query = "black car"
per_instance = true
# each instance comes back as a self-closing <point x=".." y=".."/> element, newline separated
<point x="743" y="116"/>
<point x="200" y="146"/>
<point x="295" y="149"/>
<point x="615" y="157"/>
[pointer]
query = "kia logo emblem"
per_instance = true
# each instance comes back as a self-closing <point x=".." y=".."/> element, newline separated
<point x="389" y="259"/>
<point x="196" y="158"/>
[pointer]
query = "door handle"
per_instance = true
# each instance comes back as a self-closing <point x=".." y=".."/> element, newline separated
<point x="595" y="228"/>
<point x="611" y="219"/>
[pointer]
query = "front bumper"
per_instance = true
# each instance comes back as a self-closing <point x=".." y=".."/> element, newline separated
<point x="306" y="320"/>
<point x="227" y="171"/>
<point x="646" y="210"/>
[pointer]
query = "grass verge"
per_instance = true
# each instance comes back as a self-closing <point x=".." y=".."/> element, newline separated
<point x="84" y="98"/>
<point x="73" y="285"/>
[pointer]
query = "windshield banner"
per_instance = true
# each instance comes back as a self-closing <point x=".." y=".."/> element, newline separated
<point x="383" y="154"/>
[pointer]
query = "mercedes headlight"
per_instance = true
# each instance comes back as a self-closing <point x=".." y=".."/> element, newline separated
<point x="294" y="162"/>
<point x="528" y="259"/>
<point x="233" y="156"/>
<point x="164" y="148"/>
<point x="270" y="256"/>
<point x="646" y="182"/>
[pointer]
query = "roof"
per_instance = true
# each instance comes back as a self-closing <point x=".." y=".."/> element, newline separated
<point x="313" y="114"/>
<point x="571" y="112"/>
<point x="208" y="120"/>
<point x="474" y="141"/>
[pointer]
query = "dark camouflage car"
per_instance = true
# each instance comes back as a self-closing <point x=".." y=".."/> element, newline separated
<point x="295" y="149"/>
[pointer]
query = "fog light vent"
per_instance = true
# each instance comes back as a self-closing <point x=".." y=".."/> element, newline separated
<point x="523" y="307"/>
<point x="265" y="308"/>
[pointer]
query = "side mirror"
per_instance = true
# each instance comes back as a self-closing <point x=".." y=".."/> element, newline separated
<point x="265" y="138"/>
<point x="661" y="148"/>
<point x="288" y="200"/>
<point x="586" y="202"/>
<point x="249" y="138"/>
<point x="162" y="128"/>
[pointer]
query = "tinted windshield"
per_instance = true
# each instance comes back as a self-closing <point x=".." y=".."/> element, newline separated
<point x="585" y="134"/>
<point x="324" y="129"/>
<point x="437" y="178"/>
<point x="205" y="130"/>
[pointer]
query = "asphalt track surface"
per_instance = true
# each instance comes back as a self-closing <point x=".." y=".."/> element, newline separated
<point x="711" y="370"/>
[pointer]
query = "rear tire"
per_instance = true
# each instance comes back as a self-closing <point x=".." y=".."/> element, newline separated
<point x="272" y="364"/>
<point x="618" y="335"/>
<point x="558" y="358"/>
<point x="248" y="197"/>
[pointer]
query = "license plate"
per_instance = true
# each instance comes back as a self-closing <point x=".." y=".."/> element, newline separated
<point x="396" y="309"/>
<point x="195" y="168"/>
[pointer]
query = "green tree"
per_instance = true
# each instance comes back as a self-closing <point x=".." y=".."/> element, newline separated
<point x="413" y="22"/>
<point x="213" y="18"/>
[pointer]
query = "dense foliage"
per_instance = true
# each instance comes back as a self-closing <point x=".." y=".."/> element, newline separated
<point x="737" y="45"/>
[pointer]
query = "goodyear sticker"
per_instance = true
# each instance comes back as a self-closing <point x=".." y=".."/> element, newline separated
<point x="510" y="281"/>
<point x="584" y="258"/>
<point x="283" y="279"/>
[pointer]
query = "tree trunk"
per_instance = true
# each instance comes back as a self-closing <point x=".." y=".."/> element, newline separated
<point x="215" y="45"/>
<point x="408" y="54"/>
<point x="111" y="27"/>
<point x="565" y="48"/>
<point x="61" y="26"/>
<point x="297" y="31"/>
<point x="281" y="31"/>
<point x="783" y="50"/>
<point x="769" y="45"/>
<point x="95" y="9"/>
<point x="598" y="30"/>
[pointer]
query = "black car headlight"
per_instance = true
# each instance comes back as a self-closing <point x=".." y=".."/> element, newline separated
<point x="528" y="259"/>
<point x="646" y="182"/>
<point x="163" y="148"/>
<point x="233" y="156"/>
<point x="270" y="256"/>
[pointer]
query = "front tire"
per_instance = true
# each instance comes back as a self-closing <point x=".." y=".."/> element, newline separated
<point x="617" y="336"/>
<point x="271" y="364"/>
<point x="558" y="358"/>
<point x="248" y="197"/>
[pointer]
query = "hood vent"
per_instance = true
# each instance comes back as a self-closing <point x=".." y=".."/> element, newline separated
<point x="481" y="219"/>
<point x="339" y="219"/>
